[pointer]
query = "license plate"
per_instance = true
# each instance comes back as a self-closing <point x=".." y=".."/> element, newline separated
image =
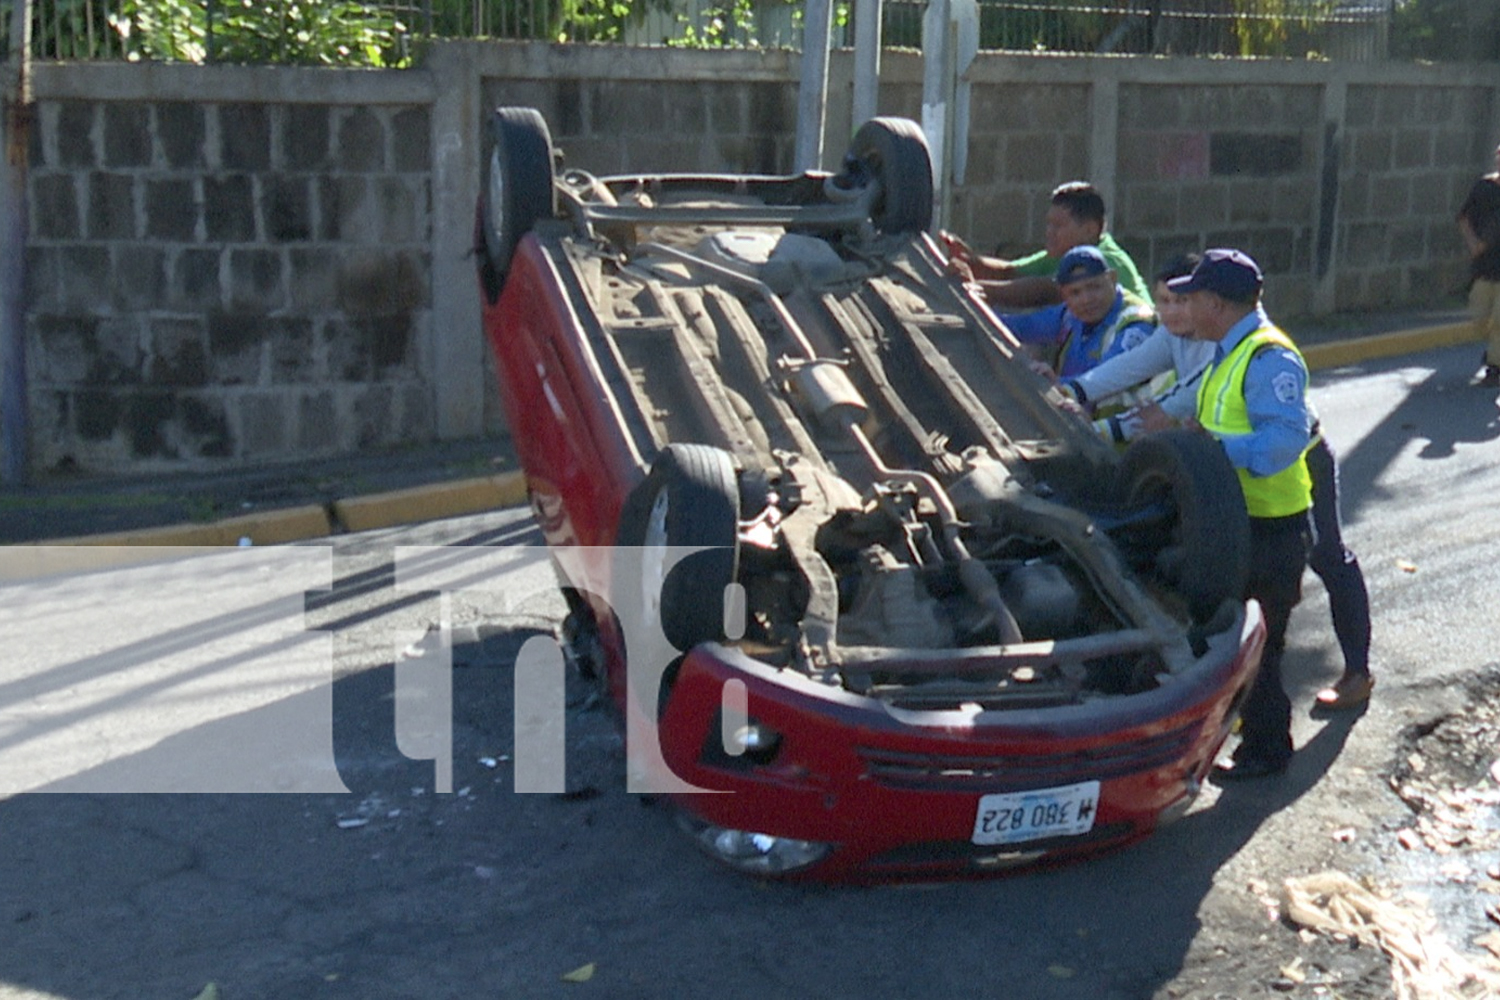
<point x="1010" y="817"/>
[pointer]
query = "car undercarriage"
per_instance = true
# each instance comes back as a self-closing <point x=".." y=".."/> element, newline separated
<point x="827" y="455"/>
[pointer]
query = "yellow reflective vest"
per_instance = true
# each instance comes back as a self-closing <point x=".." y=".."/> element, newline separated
<point x="1222" y="411"/>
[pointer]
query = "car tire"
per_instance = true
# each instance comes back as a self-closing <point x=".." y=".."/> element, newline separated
<point x="516" y="190"/>
<point x="893" y="153"/>
<point x="690" y="498"/>
<point x="1203" y="545"/>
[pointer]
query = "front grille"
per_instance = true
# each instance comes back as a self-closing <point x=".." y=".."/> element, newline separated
<point x="1019" y="772"/>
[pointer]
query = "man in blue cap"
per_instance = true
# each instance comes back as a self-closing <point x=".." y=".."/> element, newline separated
<point x="1253" y="398"/>
<point x="1096" y="320"/>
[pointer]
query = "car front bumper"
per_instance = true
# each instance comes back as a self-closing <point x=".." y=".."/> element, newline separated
<point x="895" y="793"/>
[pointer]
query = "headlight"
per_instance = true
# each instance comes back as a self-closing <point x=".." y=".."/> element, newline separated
<point x="754" y="738"/>
<point x="756" y="853"/>
<point x="752" y="744"/>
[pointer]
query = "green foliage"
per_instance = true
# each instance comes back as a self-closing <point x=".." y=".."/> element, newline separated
<point x="598" y="20"/>
<point x="549" y="20"/>
<point x="1267" y="27"/>
<point x="329" y="33"/>
<point x="723" y="25"/>
<point x="347" y="33"/>
<point x="1446" y="30"/>
<point x="735" y="24"/>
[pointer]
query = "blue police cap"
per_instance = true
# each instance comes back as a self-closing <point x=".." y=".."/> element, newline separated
<point x="1080" y="263"/>
<point x="1231" y="274"/>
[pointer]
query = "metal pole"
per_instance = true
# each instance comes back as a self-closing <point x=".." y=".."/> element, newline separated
<point x="812" y="91"/>
<point x="950" y="122"/>
<point x="866" y="60"/>
<point x="14" y="425"/>
<point x="937" y="105"/>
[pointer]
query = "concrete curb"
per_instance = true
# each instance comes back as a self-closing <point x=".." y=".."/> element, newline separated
<point x="473" y="496"/>
<point x="297" y="524"/>
<point x="428" y="503"/>
<point x="272" y="527"/>
<point x="1385" y="345"/>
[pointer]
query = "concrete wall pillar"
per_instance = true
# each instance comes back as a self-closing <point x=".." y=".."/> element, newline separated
<point x="1104" y="137"/>
<point x="1325" y="248"/>
<point x="458" y="359"/>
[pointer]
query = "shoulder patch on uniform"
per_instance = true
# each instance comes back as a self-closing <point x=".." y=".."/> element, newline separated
<point x="1287" y="387"/>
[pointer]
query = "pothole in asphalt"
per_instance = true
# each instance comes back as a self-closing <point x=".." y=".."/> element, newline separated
<point x="1447" y="772"/>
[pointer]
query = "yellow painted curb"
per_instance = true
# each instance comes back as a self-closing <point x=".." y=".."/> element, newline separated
<point x="271" y="527"/>
<point x="429" y="503"/>
<point x="1386" y="345"/>
<point x="91" y="553"/>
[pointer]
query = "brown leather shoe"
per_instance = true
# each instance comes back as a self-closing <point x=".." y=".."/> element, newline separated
<point x="1351" y="691"/>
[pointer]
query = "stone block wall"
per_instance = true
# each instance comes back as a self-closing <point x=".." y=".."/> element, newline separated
<point x="226" y="280"/>
<point x="1023" y="142"/>
<point x="232" y="265"/>
<point x="1341" y="179"/>
<point x="714" y="127"/>
<point x="1222" y="166"/>
<point x="1408" y="156"/>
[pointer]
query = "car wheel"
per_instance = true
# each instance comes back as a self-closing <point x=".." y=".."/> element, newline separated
<point x="1202" y="538"/>
<point x="689" y="499"/>
<point x="517" y="188"/>
<point x="892" y="152"/>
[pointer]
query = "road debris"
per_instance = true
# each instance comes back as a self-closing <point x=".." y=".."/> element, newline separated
<point x="582" y="974"/>
<point x="371" y="807"/>
<point x="1423" y="965"/>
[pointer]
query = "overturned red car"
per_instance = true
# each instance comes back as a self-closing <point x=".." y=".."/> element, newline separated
<point x="922" y="622"/>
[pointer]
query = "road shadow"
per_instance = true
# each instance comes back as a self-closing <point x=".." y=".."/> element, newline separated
<point x="393" y="885"/>
<point x="353" y="893"/>
<point x="394" y="889"/>
<point x="1443" y="409"/>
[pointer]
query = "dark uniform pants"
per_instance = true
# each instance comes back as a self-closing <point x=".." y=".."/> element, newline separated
<point x="1278" y="556"/>
<point x="1336" y="566"/>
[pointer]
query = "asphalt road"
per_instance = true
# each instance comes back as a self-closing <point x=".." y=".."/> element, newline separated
<point x="328" y="849"/>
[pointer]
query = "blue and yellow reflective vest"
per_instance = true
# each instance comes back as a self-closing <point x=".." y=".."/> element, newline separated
<point x="1222" y="410"/>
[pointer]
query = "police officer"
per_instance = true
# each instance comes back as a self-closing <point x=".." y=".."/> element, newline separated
<point x="1098" y="318"/>
<point x="1174" y="350"/>
<point x="1253" y="398"/>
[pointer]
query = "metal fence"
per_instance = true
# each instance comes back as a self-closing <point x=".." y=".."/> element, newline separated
<point x="338" y="31"/>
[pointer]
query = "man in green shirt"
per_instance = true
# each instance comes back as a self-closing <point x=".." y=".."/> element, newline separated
<point x="1075" y="218"/>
